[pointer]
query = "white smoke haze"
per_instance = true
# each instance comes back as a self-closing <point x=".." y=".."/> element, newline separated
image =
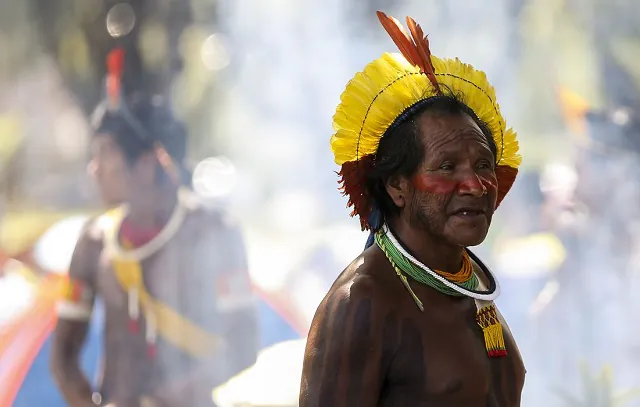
<point x="297" y="61"/>
<point x="565" y="243"/>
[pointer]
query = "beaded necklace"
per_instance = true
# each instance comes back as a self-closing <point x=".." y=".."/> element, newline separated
<point x="466" y="278"/>
<point x="463" y="283"/>
<point x="483" y="295"/>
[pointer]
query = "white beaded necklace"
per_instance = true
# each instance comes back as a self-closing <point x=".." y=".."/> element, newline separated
<point x="482" y="296"/>
<point x="116" y="251"/>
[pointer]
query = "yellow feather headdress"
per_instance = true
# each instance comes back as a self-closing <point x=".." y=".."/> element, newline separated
<point x="388" y="87"/>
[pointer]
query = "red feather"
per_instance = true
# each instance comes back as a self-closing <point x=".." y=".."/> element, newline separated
<point x="400" y="37"/>
<point x="422" y="48"/>
<point x="506" y="176"/>
<point x="415" y="50"/>
<point x="115" y="68"/>
<point x="353" y="180"/>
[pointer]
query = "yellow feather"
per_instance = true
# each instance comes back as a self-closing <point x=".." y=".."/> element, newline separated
<point x="375" y="97"/>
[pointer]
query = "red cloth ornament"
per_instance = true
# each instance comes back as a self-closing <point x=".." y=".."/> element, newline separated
<point x="135" y="236"/>
<point x="152" y="350"/>
<point x="134" y="328"/>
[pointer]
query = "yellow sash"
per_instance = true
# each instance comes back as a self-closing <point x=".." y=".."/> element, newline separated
<point x="171" y="326"/>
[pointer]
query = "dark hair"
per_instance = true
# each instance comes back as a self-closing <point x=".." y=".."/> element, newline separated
<point x="401" y="149"/>
<point x="139" y="124"/>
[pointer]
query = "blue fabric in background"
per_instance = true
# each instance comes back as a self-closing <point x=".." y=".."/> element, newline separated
<point x="39" y="389"/>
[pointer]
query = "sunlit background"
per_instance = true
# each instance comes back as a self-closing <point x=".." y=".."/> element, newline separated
<point x="257" y="83"/>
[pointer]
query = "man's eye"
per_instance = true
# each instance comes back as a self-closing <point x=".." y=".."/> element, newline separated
<point x="483" y="165"/>
<point x="446" y="167"/>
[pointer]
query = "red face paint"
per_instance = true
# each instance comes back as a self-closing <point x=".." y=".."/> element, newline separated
<point x="490" y="182"/>
<point x="471" y="185"/>
<point x="437" y="184"/>
<point x="434" y="184"/>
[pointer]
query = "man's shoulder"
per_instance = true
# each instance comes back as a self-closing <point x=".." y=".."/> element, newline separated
<point x="93" y="230"/>
<point x="360" y="295"/>
<point x="366" y="278"/>
<point x="88" y="248"/>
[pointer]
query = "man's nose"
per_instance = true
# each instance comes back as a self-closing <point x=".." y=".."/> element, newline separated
<point x="470" y="184"/>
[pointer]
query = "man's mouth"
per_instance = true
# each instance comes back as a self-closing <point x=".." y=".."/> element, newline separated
<point x="468" y="212"/>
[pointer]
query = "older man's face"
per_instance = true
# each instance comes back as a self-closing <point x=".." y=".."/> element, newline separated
<point x="455" y="189"/>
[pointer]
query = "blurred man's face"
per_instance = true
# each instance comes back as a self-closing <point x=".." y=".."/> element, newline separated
<point x="109" y="168"/>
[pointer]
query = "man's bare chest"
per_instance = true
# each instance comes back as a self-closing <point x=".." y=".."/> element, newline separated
<point x="168" y="275"/>
<point x="443" y="362"/>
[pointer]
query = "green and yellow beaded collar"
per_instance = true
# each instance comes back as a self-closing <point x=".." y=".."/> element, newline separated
<point x="464" y="283"/>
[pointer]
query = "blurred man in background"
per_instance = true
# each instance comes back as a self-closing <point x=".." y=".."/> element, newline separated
<point x="180" y="318"/>
<point x="594" y="311"/>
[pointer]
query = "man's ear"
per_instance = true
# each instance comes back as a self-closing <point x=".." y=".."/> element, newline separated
<point x="398" y="189"/>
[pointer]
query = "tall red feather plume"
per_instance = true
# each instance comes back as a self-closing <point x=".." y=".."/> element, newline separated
<point x="399" y="37"/>
<point x="422" y="47"/>
<point x="115" y="68"/>
<point x="415" y="50"/>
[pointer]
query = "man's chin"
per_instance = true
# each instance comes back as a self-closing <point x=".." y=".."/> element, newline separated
<point x="466" y="239"/>
<point x="110" y="201"/>
<point x="468" y="235"/>
<point x="470" y="242"/>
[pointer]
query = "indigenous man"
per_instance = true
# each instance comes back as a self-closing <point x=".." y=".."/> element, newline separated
<point x="171" y="273"/>
<point x="426" y="158"/>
